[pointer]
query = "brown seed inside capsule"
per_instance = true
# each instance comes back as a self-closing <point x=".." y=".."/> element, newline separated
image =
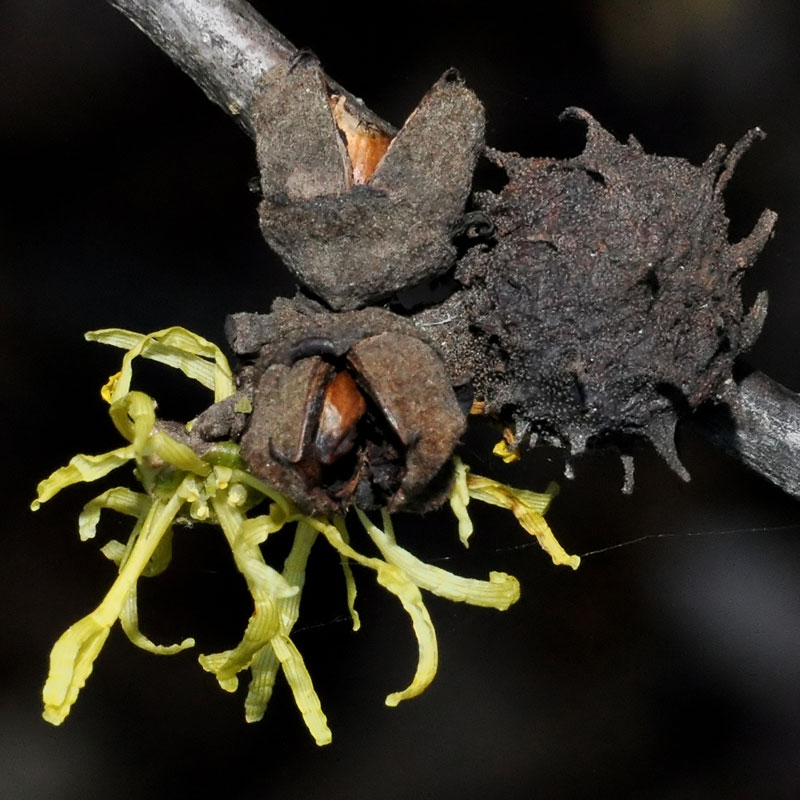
<point x="342" y="409"/>
<point x="351" y="428"/>
<point x="366" y="144"/>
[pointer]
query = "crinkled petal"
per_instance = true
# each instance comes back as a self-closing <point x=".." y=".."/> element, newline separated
<point x="73" y="655"/>
<point x="459" y="500"/>
<point x="528" y="507"/>
<point x="263" y="670"/>
<point x="265" y="664"/>
<point x="499" y="494"/>
<point x="266" y="585"/>
<point x="71" y="661"/>
<point x="175" y="453"/>
<point x="500" y="591"/>
<point x="395" y="580"/>
<point x="177" y="347"/>
<point x="349" y="578"/>
<point x="129" y="619"/>
<point x="120" y="499"/>
<point x="302" y="688"/>
<point x="134" y="415"/>
<point x="114" y="551"/>
<point x="80" y="468"/>
<point x="504" y="451"/>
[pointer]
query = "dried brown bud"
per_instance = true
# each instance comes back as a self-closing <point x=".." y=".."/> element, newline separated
<point x="349" y="408"/>
<point x="353" y="224"/>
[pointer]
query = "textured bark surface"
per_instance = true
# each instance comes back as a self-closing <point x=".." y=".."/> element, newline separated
<point x="225" y="46"/>
<point x="608" y="303"/>
<point x="761" y="428"/>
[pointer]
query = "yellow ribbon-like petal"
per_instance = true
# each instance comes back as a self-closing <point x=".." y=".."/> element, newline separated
<point x="528" y="507"/>
<point x="195" y="356"/>
<point x="73" y="655"/>
<point x="500" y="591"/>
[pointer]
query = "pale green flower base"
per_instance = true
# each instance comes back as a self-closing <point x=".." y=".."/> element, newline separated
<point x="181" y="487"/>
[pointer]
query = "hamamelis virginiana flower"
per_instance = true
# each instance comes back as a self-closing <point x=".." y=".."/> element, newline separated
<point x="178" y="486"/>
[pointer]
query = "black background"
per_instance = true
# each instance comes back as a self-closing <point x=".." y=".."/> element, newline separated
<point x="665" y="669"/>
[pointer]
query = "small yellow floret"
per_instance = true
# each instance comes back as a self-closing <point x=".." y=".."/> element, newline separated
<point x="504" y="451"/>
<point x="107" y="392"/>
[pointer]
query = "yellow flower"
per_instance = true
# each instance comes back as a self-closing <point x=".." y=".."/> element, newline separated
<point x="217" y="489"/>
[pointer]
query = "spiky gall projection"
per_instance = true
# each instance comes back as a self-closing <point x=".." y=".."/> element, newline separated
<point x="608" y="301"/>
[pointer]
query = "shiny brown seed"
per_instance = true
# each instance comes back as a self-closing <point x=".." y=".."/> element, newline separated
<point x="342" y="409"/>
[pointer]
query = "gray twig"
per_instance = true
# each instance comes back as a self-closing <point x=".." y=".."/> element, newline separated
<point x="224" y="46"/>
<point x="761" y="430"/>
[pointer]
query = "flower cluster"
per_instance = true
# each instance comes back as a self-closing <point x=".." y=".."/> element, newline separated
<point x="179" y="486"/>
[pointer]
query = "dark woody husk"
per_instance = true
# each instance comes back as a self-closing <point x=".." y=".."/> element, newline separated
<point x="608" y="302"/>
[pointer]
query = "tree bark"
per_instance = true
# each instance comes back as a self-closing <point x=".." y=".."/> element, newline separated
<point x="762" y="430"/>
<point x="225" y="47"/>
